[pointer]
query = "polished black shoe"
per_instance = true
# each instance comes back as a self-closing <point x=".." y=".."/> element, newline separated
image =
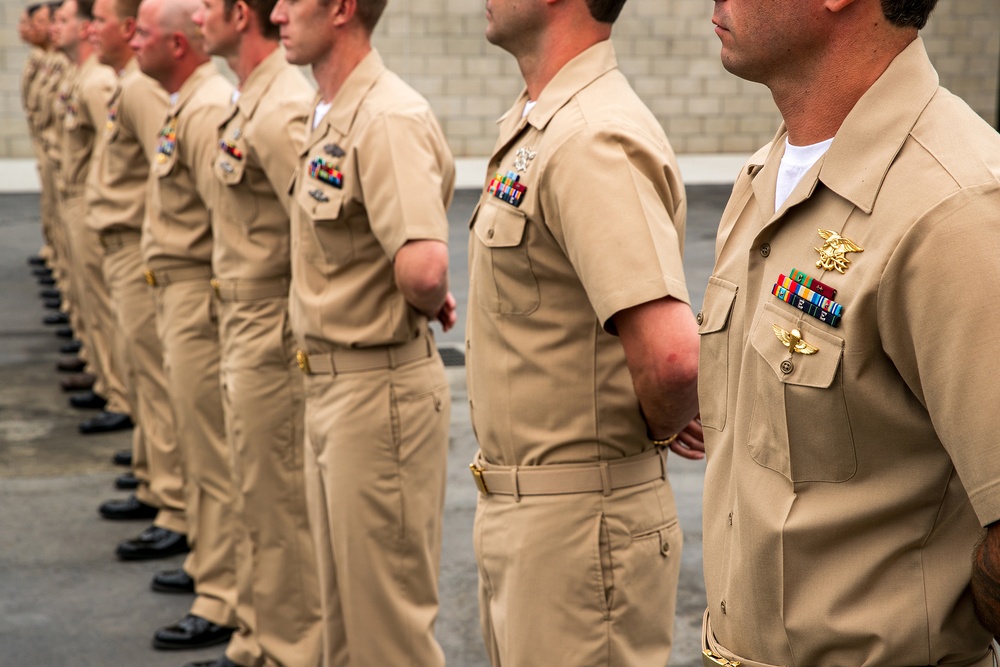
<point x="220" y="662"/>
<point x="88" y="400"/>
<point x="106" y="422"/>
<point x="52" y="304"/>
<point x="36" y="260"/>
<point x="122" y="457"/>
<point x="50" y="293"/>
<point x="78" y="382"/>
<point x="72" y="347"/>
<point x="47" y="281"/>
<point x="154" y="542"/>
<point x="70" y="365"/>
<point x="64" y="332"/>
<point x="41" y="271"/>
<point x="172" y="581"/>
<point x="191" y="632"/>
<point x="126" y="482"/>
<point x="127" y="509"/>
<point x="56" y="318"/>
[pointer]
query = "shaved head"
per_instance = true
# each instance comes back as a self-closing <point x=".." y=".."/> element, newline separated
<point x="175" y="16"/>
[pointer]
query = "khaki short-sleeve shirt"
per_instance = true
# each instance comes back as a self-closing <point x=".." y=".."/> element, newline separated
<point x="256" y="156"/>
<point x="126" y="144"/>
<point x="86" y="110"/>
<point x="582" y="216"/>
<point x="375" y="173"/>
<point x="42" y="94"/>
<point x="846" y="487"/>
<point x="178" y="230"/>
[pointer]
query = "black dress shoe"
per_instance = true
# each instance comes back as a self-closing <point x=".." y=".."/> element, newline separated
<point x="41" y="271"/>
<point x="123" y="457"/>
<point x="126" y="482"/>
<point x="50" y="293"/>
<point x="127" y="509"/>
<point x="154" y="542"/>
<point x="36" y="260"/>
<point x="172" y="581"/>
<point x="64" y="332"/>
<point x="56" y="318"/>
<point x="106" y="422"/>
<point x="88" y="400"/>
<point x="52" y="304"/>
<point x="71" y="347"/>
<point x="221" y="662"/>
<point x="78" y="382"/>
<point x="191" y="632"/>
<point x="70" y="365"/>
<point x="46" y="281"/>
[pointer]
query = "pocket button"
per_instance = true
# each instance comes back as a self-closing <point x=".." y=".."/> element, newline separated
<point x="787" y="367"/>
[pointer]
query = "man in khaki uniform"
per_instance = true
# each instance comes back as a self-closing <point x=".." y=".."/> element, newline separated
<point x="33" y="29"/>
<point x="850" y="428"/>
<point x="369" y="270"/>
<point x="116" y="207"/>
<point x="578" y="328"/>
<point x="255" y="159"/>
<point x="177" y="250"/>
<point x="86" y="110"/>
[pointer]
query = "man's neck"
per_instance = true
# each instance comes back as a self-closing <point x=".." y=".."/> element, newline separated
<point x="560" y="43"/>
<point x="252" y="51"/>
<point x="81" y="53"/>
<point x="336" y="66"/>
<point x="181" y="73"/>
<point x="814" y="104"/>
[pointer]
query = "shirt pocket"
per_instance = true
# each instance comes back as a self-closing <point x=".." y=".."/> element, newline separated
<point x="240" y="204"/>
<point x="506" y="283"/>
<point x="713" y="326"/>
<point x="800" y="426"/>
<point x="326" y="230"/>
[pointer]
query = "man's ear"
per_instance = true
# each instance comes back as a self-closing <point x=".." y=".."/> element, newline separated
<point x="242" y="11"/>
<point x="837" y="5"/>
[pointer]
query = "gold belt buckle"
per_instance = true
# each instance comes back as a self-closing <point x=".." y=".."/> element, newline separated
<point x="150" y="278"/>
<point x="215" y="286"/>
<point x="709" y="659"/>
<point x="477" y="474"/>
<point x="303" y="360"/>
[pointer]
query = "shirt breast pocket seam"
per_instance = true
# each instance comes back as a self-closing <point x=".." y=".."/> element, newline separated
<point x="503" y="231"/>
<point x="713" y="328"/>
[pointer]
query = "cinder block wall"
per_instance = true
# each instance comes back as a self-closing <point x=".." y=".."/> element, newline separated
<point x="666" y="48"/>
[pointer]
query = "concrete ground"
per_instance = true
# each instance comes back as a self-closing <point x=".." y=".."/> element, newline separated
<point x="64" y="599"/>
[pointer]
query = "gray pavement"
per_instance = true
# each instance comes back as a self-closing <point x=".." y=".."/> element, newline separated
<point x="64" y="599"/>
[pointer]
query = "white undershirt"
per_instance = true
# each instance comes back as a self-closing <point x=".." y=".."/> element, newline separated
<point x="528" y="106"/>
<point x="236" y="97"/>
<point x="796" y="161"/>
<point x="321" y="110"/>
<point x="174" y="97"/>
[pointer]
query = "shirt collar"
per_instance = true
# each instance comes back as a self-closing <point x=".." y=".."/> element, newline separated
<point x="189" y="87"/>
<point x="876" y="128"/>
<point x="577" y="74"/>
<point x="259" y="81"/>
<point x="348" y="98"/>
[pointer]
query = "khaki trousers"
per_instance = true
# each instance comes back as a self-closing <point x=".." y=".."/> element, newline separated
<point x="102" y="335"/>
<point x="188" y="328"/>
<point x="277" y="581"/>
<point x="156" y="457"/>
<point x="376" y="462"/>
<point x="579" y="580"/>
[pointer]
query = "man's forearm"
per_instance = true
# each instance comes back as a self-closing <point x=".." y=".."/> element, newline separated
<point x="986" y="579"/>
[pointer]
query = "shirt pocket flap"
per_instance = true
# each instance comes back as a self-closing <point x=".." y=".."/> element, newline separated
<point x="229" y="170"/>
<point x="500" y="226"/>
<point x="807" y="370"/>
<point x="720" y="295"/>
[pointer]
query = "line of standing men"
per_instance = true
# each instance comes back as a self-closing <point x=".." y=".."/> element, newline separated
<point x="293" y="248"/>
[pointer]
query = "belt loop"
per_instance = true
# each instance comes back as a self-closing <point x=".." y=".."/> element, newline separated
<point x="605" y="478"/>
<point x="663" y="461"/>
<point x="517" y="490"/>
<point x="393" y="358"/>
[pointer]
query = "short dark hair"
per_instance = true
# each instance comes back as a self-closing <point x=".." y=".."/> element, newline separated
<point x="908" y="13"/>
<point x="368" y="12"/>
<point x="605" y="11"/>
<point x="32" y="8"/>
<point x="85" y="9"/>
<point x="262" y="8"/>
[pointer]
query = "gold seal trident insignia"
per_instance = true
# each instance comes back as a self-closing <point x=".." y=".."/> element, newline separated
<point x="832" y="255"/>
<point x="793" y="340"/>
<point x="523" y="157"/>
